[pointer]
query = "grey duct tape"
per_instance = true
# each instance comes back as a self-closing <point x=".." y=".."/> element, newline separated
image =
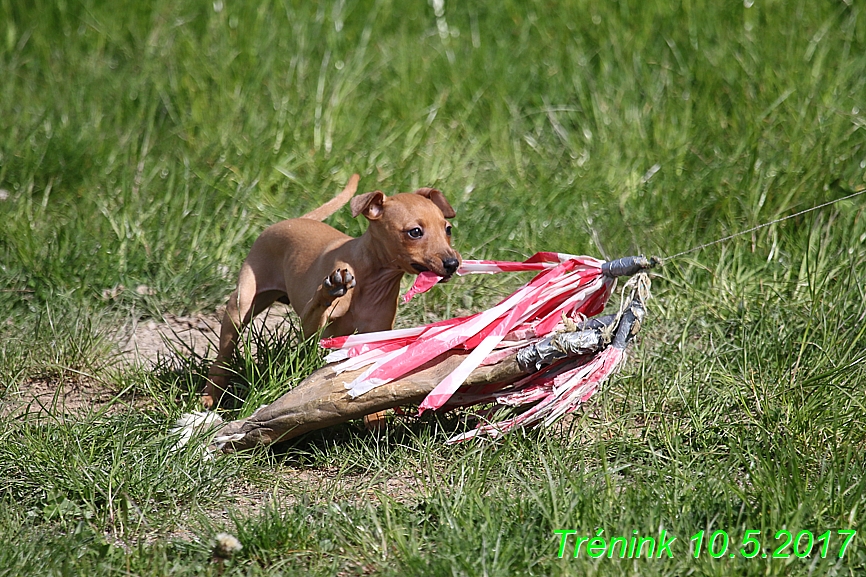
<point x="628" y="265"/>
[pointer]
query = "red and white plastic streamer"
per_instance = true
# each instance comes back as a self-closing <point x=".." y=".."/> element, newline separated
<point x="567" y="286"/>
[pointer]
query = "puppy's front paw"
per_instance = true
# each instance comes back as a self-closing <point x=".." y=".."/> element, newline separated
<point x="339" y="282"/>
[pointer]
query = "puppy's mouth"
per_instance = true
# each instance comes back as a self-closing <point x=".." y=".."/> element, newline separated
<point x="419" y="268"/>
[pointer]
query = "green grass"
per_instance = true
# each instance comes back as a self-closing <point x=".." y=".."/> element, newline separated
<point x="148" y="143"/>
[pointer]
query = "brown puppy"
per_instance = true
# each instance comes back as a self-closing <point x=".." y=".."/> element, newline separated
<point x="349" y="284"/>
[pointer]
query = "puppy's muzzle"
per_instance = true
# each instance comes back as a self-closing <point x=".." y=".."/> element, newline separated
<point x="448" y="268"/>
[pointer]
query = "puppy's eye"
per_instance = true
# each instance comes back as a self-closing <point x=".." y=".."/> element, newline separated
<point x="448" y="230"/>
<point x="415" y="233"/>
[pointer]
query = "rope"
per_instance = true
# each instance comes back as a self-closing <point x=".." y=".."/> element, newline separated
<point x="760" y="226"/>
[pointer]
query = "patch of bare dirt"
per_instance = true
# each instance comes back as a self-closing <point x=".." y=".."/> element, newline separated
<point x="57" y="397"/>
<point x="144" y="343"/>
<point x="141" y="344"/>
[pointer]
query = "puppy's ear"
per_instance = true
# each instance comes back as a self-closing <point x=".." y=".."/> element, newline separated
<point x="438" y="199"/>
<point x="369" y="204"/>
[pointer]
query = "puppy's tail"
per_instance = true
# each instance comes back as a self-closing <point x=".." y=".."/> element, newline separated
<point x="335" y="203"/>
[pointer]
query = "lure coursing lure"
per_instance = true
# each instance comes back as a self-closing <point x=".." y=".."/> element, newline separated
<point x="567" y="291"/>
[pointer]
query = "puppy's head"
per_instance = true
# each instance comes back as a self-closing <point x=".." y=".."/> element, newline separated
<point x="412" y="230"/>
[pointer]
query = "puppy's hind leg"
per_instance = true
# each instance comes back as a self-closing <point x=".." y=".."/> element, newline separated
<point x="243" y="304"/>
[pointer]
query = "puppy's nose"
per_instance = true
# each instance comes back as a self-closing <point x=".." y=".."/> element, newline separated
<point x="450" y="265"/>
